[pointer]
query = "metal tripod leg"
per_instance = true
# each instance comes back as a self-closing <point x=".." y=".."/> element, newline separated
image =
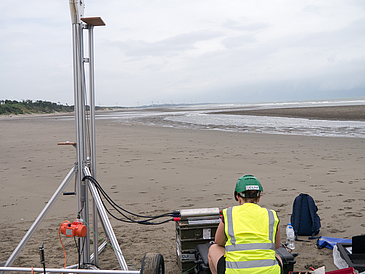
<point x="40" y="217"/>
<point x="104" y="218"/>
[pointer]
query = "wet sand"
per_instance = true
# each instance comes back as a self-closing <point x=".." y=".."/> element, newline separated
<point x="151" y="170"/>
<point x="348" y="113"/>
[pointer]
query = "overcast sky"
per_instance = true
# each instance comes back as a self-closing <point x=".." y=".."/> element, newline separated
<point x="191" y="51"/>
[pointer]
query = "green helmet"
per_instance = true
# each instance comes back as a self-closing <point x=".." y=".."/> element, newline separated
<point x="247" y="182"/>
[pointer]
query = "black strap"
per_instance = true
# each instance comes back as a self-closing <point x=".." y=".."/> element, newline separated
<point x="297" y="211"/>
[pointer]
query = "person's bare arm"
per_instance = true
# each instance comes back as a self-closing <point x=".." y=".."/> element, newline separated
<point x="277" y="237"/>
<point x="220" y="236"/>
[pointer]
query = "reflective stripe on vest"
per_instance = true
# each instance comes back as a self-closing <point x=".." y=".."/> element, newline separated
<point x="251" y="264"/>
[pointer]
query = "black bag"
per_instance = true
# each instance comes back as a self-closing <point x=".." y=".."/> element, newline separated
<point x="201" y="256"/>
<point x="304" y="218"/>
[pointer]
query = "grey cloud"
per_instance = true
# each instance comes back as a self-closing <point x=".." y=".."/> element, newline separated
<point x="358" y="3"/>
<point x="238" y="41"/>
<point x="286" y="90"/>
<point x="170" y="46"/>
<point x="348" y="35"/>
<point x="253" y="27"/>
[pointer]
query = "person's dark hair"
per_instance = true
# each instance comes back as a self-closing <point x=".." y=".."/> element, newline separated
<point x="249" y="196"/>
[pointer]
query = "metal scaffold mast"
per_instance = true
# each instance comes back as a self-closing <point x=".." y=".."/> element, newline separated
<point x="84" y="169"/>
<point x="85" y="164"/>
<point x="86" y="147"/>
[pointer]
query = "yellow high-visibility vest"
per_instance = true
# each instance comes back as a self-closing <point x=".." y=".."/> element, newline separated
<point x="250" y="247"/>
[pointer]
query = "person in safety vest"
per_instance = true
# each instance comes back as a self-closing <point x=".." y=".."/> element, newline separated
<point x="247" y="236"/>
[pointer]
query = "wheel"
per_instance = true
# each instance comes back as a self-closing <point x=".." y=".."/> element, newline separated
<point x="153" y="263"/>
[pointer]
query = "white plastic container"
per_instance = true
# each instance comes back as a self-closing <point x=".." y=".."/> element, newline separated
<point x="290" y="237"/>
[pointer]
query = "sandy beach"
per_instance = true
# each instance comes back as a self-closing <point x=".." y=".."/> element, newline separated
<point x="153" y="170"/>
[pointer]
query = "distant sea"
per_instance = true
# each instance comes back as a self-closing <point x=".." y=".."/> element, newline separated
<point x="207" y="117"/>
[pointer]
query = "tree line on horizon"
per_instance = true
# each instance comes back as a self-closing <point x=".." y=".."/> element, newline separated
<point x="28" y="107"/>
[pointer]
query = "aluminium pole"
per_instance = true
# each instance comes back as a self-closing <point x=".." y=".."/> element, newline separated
<point x="82" y="121"/>
<point x="92" y="137"/>
<point x="78" y="111"/>
<point x="75" y="30"/>
<point x="80" y="131"/>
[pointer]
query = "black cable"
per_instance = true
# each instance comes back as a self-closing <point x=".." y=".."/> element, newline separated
<point x="82" y="250"/>
<point x="118" y="208"/>
<point x="78" y="246"/>
<point x="78" y="250"/>
<point x="144" y="222"/>
<point x="99" y="189"/>
<point x="79" y="213"/>
<point x="106" y="196"/>
<point x="114" y="205"/>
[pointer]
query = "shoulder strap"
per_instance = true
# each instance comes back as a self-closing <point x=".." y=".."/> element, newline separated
<point x="295" y="219"/>
<point x="312" y="210"/>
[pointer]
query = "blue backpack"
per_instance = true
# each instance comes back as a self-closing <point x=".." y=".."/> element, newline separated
<point x="304" y="218"/>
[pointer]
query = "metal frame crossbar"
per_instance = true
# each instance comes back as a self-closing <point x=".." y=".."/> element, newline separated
<point x="57" y="270"/>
